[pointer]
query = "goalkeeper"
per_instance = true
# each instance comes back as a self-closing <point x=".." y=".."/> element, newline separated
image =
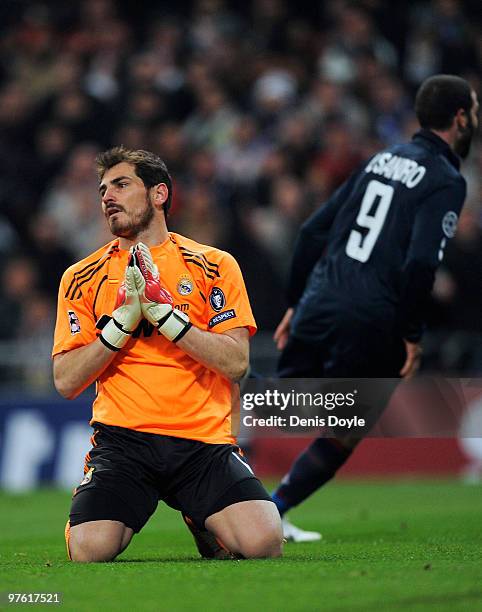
<point x="162" y="325"/>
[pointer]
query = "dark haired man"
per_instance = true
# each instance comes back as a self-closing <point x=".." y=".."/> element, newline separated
<point x="364" y="266"/>
<point x="139" y="317"/>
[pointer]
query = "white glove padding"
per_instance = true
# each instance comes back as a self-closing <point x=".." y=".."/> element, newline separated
<point x="127" y="313"/>
<point x="156" y="302"/>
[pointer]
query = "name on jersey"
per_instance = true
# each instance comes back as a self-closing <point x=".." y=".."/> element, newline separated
<point x="396" y="168"/>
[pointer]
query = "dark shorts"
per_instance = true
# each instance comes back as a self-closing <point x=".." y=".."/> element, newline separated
<point x="128" y="472"/>
<point x="352" y="353"/>
<point x="352" y="350"/>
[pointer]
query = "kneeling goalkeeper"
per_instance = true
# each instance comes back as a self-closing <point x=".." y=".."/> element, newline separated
<point x="162" y="325"/>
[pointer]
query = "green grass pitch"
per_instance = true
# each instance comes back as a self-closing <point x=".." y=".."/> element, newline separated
<point x="386" y="546"/>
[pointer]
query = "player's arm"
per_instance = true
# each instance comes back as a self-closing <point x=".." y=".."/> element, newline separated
<point x="282" y="332"/>
<point x="75" y="369"/>
<point x="313" y="238"/>
<point x="434" y="226"/>
<point x="309" y="247"/>
<point x="413" y="353"/>
<point x="226" y="353"/>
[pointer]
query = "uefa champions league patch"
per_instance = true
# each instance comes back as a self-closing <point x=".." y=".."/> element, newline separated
<point x="217" y="299"/>
<point x="449" y="223"/>
<point x="74" y="323"/>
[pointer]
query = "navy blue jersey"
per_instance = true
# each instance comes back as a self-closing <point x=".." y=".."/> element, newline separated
<point x="371" y="251"/>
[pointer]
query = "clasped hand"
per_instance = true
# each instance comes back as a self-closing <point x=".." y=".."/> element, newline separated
<point x="142" y="295"/>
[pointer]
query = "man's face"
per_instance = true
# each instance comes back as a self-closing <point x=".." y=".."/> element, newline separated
<point x="125" y="201"/>
<point x="462" y="145"/>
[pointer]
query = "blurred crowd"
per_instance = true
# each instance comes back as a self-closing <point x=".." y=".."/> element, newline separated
<point x="260" y="110"/>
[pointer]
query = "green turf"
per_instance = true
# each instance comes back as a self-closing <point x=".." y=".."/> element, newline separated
<point x="386" y="546"/>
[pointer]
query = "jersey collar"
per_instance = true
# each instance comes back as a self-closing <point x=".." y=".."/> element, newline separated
<point x="439" y="145"/>
<point x="156" y="249"/>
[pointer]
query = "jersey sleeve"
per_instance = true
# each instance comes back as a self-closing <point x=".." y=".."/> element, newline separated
<point x="313" y="239"/>
<point x="75" y="324"/>
<point x="435" y="224"/>
<point x="227" y="300"/>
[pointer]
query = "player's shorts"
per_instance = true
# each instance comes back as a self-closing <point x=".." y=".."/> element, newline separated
<point x="127" y="472"/>
<point x="352" y="350"/>
<point x="373" y="359"/>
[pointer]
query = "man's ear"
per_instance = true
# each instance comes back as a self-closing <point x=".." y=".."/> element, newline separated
<point x="160" y="195"/>
<point x="461" y="120"/>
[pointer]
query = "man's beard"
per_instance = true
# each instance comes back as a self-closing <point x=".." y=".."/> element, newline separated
<point x="135" y="224"/>
<point x="462" y="146"/>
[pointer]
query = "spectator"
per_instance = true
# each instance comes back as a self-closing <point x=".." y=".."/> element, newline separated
<point x="50" y="255"/>
<point x="211" y="126"/>
<point x="72" y="202"/>
<point x="240" y="161"/>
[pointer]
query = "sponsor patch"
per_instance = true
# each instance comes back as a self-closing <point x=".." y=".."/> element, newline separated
<point x="182" y="307"/>
<point x="221" y="317"/>
<point x="185" y="285"/>
<point x="87" y="477"/>
<point x="449" y="224"/>
<point x="217" y="299"/>
<point x="74" y="322"/>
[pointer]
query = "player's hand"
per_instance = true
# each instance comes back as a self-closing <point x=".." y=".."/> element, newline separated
<point x="283" y="330"/>
<point x="412" y="362"/>
<point x="156" y="302"/>
<point x="127" y="312"/>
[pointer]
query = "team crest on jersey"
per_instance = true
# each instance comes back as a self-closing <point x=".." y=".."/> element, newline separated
<point x="449" y="223"/>
<point x="74" y="323"/>
<point x="87" y="477"/>
<point x="185" y="285"/>
<point x="217" y="299"/>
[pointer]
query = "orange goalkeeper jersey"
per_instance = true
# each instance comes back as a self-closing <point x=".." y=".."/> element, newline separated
<point x="152" y="385"/>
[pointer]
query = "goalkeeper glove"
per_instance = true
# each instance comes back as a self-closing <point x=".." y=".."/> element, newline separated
<point x="156" y="302"/>
<point x="127" y="314"/>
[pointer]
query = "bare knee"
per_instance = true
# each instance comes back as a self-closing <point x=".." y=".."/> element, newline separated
<point x="88" y="548"/>
<point x="250" y="528"/>
<point x="98" y="541"/>
<point x="264" y="545"/>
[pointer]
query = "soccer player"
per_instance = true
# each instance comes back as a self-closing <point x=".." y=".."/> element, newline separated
<point x="364" y="266"/>
<point x="162" y="325"/>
